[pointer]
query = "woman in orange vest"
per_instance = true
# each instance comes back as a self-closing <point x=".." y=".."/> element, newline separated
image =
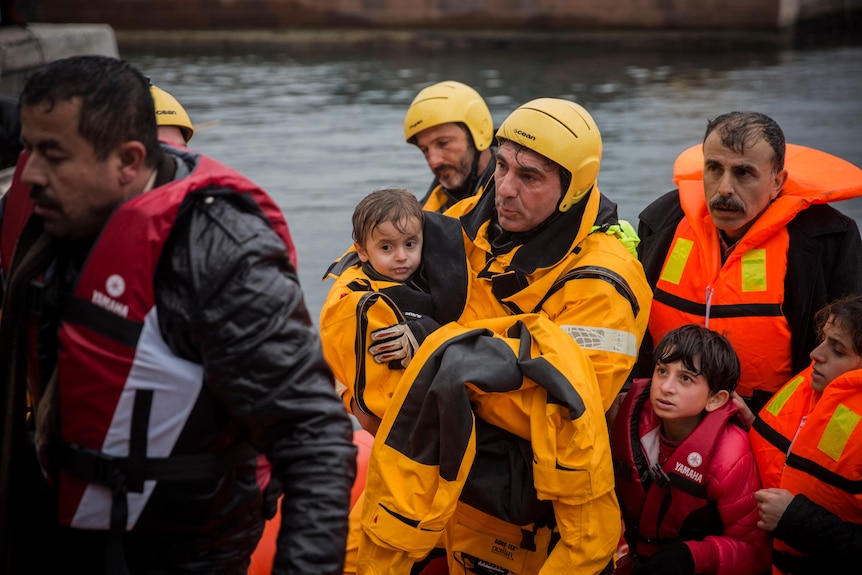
<point x="808" y="444"/>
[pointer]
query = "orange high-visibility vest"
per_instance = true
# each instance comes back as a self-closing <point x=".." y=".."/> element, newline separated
<point x="743" y="297"/>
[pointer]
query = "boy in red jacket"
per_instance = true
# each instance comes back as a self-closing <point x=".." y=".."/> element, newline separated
<point x="684" y="468"/>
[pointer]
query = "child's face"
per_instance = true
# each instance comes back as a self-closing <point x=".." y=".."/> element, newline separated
<point x="392" y="253"/>
<point x="679" y="397"/>
<point x="834" y="356"/>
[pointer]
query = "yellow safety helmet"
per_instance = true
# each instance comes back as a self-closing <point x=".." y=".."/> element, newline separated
<point x="447" y="102"/>
<point x="563" y="132"/>
<point x="169" y="112"/>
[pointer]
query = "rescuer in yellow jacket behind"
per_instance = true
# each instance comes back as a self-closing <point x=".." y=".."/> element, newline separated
<point x="452" y="126"/>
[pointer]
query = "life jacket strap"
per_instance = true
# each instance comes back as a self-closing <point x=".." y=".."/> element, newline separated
<point x="97" y="467"/>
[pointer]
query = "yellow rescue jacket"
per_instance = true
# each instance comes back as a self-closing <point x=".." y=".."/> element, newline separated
<point x="570" y="271"/>
<point x="525" y="375"/>
<point x="360" y="302"/>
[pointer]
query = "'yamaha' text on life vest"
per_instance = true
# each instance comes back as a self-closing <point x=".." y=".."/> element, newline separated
<point x="688" y="472"/>
<point x="109" y="304"/>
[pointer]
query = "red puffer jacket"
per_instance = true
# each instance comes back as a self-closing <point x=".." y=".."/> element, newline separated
<point x="703" y="495"/>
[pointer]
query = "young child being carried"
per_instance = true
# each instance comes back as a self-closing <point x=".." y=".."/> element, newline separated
<point x="405" y="276"/>
<point x="685" y="473"/>
<point x="808" y="444"/>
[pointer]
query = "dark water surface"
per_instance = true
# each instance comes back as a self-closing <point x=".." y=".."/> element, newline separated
<point x="321" y="130"/>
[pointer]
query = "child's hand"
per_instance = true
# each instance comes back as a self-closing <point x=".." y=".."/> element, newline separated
<point x="745" y="414"/>
<point x="771" y="504"/>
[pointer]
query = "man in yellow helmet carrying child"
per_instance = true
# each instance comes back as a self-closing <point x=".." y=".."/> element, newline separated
<point x="555" y="313"/>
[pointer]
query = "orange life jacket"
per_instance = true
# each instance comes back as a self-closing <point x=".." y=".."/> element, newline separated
<point x="743" y="297"/>
<point x="823" y="456"/>
<point x="770" y="436"/>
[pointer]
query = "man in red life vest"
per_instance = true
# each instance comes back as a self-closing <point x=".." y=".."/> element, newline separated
<point x="155" y="343"/>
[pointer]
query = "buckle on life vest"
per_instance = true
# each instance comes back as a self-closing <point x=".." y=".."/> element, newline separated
<point x="94" y="466"/>
<point x="659" y="476"/>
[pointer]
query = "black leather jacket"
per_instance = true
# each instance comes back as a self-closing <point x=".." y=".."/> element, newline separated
<point x="265" y="380"/>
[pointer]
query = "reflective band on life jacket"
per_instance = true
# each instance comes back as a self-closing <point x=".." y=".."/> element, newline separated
<point x="824" y="462"/>
<point x="771" y="436"/>
<point x="656" y="500"/>
<point x="124" y="397"/>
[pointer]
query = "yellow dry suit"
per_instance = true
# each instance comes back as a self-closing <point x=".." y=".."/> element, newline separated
<point x="429" y="479"/>
<point x="361" y="301"/>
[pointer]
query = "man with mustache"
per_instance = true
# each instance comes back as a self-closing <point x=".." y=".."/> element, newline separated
<point x="452" y="126"/>
<point x="747" y="247"/>
<point x="154" y="345"/>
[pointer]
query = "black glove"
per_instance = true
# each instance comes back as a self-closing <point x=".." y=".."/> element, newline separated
<point x="393" y="343"/>
<point x="670" y="559"/>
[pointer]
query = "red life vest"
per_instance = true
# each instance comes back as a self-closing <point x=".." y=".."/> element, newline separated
<point x="18" y="209"/>
<point x="646" y="488"/>
<point x="123" y="393"/>
<point x="743" y="297"/>
<point x="823" y="455"/>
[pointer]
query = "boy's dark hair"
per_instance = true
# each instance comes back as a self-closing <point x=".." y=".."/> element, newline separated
<point x="116" y="105"/>
<point x="847" y="314"/>
<point x="394" y="205"/>
<point x="719" y="363"/>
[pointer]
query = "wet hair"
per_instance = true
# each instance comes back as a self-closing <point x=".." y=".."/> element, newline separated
<point x="393" y="205"/>
<point x="846" y="313"/>
<point x="703" y="352"/>
<point x="116" y="105"/>
<point x="739" y="130"/>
